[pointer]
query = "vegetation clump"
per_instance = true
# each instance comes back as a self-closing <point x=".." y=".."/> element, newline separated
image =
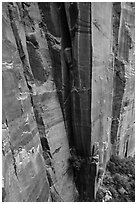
<point x="119" y="180"/>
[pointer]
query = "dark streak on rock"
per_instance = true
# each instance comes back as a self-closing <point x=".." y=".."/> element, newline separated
<point x="97" y="25"/>
<point x="119" y="85"/>
<point x="14" y="160"/>
<point x="119" y="79"/>
<point x="56" y="150"/>
<point x="38" y="117"/>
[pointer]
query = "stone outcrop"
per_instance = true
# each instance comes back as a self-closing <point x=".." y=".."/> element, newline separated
<point x="68" y="97"/>
<point x="35" y="145"/>
<point x="124" y="96"/>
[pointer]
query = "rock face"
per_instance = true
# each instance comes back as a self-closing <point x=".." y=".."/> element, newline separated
<point x="35" y="144"/>
<point x="68" y="97"/>
<point x="126" y="57"/>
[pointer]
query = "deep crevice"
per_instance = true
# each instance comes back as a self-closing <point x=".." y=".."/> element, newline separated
<point x="119" y="82"/>
<point x="14" y="161"/>
<point x="126" y="148"/>
<point x="40" y="126"/>
<point x="119" y="79"/>
<point x="61" y="67"/>
<point x="39" y="121"/>
<point x="116" y="12"/>
<point x="38" y="117"/>
<point x="67" y="82"/>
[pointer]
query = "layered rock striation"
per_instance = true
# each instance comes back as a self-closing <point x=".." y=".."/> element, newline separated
<point x="68" y="97"/>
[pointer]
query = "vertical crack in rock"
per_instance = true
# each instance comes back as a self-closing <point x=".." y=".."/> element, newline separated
<point x="12" y="152"/>
<point x="119" y="80"/>
<point x="81" y="79"/>
<point x="61" y="56"/>
<point x="123" y="44"/>
<point x="14" y="161"/>
<point x="126" y="148"/>
<point x="60" y="53"/>
<point x="31" y="80"/>
<point x="80" y="91"/>
<point x="116" y="12"/>
<point x="37" y="77"/>
<point x="27" y="71"/>
<point x="126" y="55"/>
<point x="73" y="82"/>
<point x="69" y="43"/>
<point x="119" y="76"/>
<point x="41" y="128"/>
<point x="55" y="196"/>
<point x="66" y="66"/>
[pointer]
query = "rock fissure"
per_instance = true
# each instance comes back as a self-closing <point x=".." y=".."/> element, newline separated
<point x="11" y="149"/>
<point x="68" y="101"/>
<point x="38" y="117"/>
<point x="39" y="121"/>
<point x="14" y="161"/>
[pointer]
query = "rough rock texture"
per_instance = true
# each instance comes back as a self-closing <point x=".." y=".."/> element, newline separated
<point x="23" y="164"/>
<point x="35" y="145"/>
<point x="68" y="97"/>
<point x="123" y="116"/>
<point x="102" y="78"/>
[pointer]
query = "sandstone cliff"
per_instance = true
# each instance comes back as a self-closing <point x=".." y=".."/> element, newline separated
<point x="68" y="97"/>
